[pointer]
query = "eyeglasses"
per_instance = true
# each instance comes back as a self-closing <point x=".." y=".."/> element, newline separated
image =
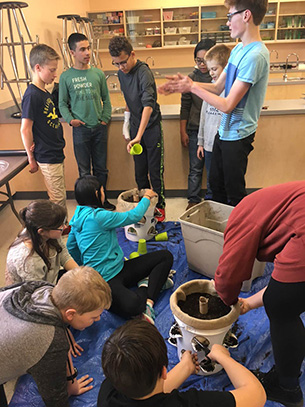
<point x="123" y="63"/>
<point x="230" y="15"/>
<point x="200" y="61"/>
<point x="63" y="225"/>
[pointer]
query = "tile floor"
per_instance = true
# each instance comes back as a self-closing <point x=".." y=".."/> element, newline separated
<point x="10" y="228"/>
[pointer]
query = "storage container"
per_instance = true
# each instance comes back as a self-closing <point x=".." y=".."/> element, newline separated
<point x="170" y="30"/>
<point x="149" y="31"/>
<point x="208" y="14"/>
<point x="184" y="41"/>
<point x="202" y="228"/>
<point x="170" y="43"/>
<point x="133" y="19"/>
<point x="168" y="15"/>
<point x="184" y="30"/>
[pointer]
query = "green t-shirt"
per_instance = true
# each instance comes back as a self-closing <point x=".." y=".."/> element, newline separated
<point x="80" y="96"/>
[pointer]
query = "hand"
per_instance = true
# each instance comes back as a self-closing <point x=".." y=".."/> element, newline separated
<point x="244" y="306"/>
<point x="76" y="123"/>
<point x="200" y="153"/>
<point x="150" y="193"/>
<point x="103" y="123"/>
<point x="176" y="84"/>
<point x="32" y="148"/>
<point x="217" y="352"/>
<point x="84" y="384"/>
<point x="33" y="166"/>
<point x="132" y="142"/>
<point x="78" y="350"/>
<point x="184" y="138"/>
<point x="126" y="126"/>
<point x="190" y="360"/>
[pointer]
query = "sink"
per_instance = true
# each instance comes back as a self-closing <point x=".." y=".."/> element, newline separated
<point x="294" y="79"/>
<point x="118" y="110"/>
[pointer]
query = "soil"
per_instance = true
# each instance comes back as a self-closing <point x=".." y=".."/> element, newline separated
<point x="217" y="308"/>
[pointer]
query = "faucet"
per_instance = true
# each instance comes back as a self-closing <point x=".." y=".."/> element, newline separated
<point x="285" y="77"/>
<point x="111" y="74"/>
<point x="152" y="61"/>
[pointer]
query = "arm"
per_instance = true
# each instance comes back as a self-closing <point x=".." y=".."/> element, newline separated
<point x="27" y="139"/>
<point x="186" y="104"/>
<point x="79" y="386"/>
<point x="73" y="248"/>
<point x="63" y="104"/>
<point x="248" y="390"/>
<point x="70" y="264"/>
<point x="200" y="136"/>
<point x="146" y="113"/>
<point x="253" y="302"/>
<point x="183" y="133"/>
<point x="106" y="100"/>
<point x="175" y="377"/>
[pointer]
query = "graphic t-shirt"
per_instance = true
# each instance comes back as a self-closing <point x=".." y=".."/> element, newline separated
<point x="38" y="106"/>
<point x="80" y="94"/>
<point x="248" y="64"/>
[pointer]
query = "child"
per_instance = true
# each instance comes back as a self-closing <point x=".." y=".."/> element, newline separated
<point x="81" y="89"/>
<point x="134" y="361"/>
<point x="269" y="225"/>
<point x="216" y="59"/>
<point x="189" y="122"/>
<point x="39" y="253"/>
<point x="41" y="131"/>
<point x="34" y="339"/>
<point x="245" y="80"/>
<point x="143" y="115"/>
<point x="93" y="242"/>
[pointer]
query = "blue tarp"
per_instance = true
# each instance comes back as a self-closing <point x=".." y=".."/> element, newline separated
<point x="254" y="350"/>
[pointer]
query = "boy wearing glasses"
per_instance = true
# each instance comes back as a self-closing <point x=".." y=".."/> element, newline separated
<point x="189" y="122"/>
<point x="244" y="80"/>
<point x="81" y="90"/>
<point x="142" y="122"/>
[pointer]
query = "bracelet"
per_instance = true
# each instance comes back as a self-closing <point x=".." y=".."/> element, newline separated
<point x="147" y="196"/>
<point x="73" y="376"/>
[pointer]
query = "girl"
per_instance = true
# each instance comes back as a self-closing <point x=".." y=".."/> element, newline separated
<point x="93" y="242"/>
<point x="38" y="253"/>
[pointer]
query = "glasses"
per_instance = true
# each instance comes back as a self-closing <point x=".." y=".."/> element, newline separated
<point x="63" y="225"/>
<point x="200" y="61"/>
<point x="123" y="63"/>
<point x="230" y="15"/>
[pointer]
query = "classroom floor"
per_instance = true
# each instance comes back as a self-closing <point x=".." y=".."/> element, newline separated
<point x="10" y="228"/>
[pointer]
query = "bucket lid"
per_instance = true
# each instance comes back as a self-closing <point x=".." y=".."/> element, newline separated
<point x="201" y="286"/>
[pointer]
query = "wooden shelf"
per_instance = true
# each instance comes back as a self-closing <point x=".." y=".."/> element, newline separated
<point x="180" y="21"/>
<point x="144" y="22"/>
<point x="106" y="25"/>
<point x="169" y="35"/>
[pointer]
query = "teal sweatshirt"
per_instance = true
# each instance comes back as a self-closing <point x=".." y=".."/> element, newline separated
<point x="80" y="96"/>
<point x="93" y="241"/>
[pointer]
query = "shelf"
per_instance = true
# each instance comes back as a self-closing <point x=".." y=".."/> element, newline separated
<point x="213" y="19"/>
<point x="180" y="21"/>
<point x="144" y="22"/>
<point x="292" y="15"/>
<point x="170" y="35"/>
<point x="215" y="32"/>
<point x="137" y="35"/>
<point x="106" y="25"/>
<point x="290" y="28"/>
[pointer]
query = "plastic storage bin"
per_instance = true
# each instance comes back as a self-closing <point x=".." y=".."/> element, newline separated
<point x="208" y="14"/>
<point x="184" y="30"/>
<point x="170" y="43"/>
<point x="133" y="19"/>
<point x="202" y="229"/>
<point x="170" y="30"/>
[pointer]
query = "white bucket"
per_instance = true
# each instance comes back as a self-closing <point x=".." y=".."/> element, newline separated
<point x="192" y="329"/>
<point x="146" y="227"/>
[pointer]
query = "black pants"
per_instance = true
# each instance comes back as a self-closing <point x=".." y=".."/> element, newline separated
<point x="284" y="303"/>
<point x="3" y="401"/>
<point x="228" y="169"/>
<point x="151" y="161"/>
<point x="127" y="302"/>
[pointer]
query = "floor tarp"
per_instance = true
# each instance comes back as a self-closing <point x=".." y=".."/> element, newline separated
<point x="254" y="350"/>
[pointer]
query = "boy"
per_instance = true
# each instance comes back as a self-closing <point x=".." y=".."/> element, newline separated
<point x="41" y="131"/>
<point x="189" y="122"/>
<point x="269" y="225"/>
<point x="134" y="361"/>
<point x="216" y="59"/>
<point x="143" y="114"/>
<point x="34" y="338"/>
<point x="81" y="89"/>
<point x="245" y="81"/>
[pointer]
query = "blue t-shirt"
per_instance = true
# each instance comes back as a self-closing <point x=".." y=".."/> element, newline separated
<point x="38" y="106"/>
<point x="247" y="64"/>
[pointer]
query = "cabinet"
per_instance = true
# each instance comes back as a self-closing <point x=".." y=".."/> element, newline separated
<point x="185" y="26"/>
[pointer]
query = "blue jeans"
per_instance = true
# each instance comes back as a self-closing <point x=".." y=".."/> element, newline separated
<point x="207" y="160"/>
<point x="195" y="171"/>
<point x="90" y="149"/>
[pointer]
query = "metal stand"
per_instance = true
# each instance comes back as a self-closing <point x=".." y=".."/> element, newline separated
<point x="81" y="25"/>
<point x="15" y="47"/>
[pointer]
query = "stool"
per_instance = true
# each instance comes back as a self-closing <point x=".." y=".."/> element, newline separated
<point x="8" y="41"/>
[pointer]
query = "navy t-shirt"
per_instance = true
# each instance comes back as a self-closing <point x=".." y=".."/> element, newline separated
<point x="38" y="106"/>
<point x="110" y="397"/>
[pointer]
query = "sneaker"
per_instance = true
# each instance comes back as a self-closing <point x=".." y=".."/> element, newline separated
<point x="191" y="204"/>
<point x="168" y="284"/>
<point x="67" y="230"/>
<point x="149" y="314"/>
<point x="159" y="214"/>
<point x="275" y="392"/>
<point x="109" y="206"/>
<point x="143" y="283"/>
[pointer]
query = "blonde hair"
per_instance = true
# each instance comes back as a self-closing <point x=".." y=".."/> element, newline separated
<point x="83" y="289"/>
<point x="220" y="53"/>
<point x="41" y="54"/>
